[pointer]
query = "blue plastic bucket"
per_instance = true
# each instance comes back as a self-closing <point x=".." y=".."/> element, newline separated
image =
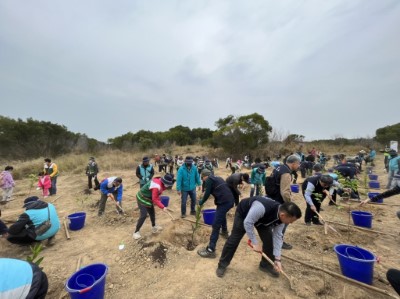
<point x="294" y="188"/>
<point x="355" y="262"/>
<point x="374" y="184"/>
<point x="88" y="283"/>
<point x="372" y="194"/>
<point x="209" y="216"/>
<point x="361" y="218"/>
<point x="165" y="200"/>
<point x="77" y="220"/>
<point x="373" y="177"/>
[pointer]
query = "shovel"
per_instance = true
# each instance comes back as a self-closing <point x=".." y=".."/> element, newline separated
<point x="326" y="223"/>
<point x="117" y="204"/>
<point x="272" y="263"/>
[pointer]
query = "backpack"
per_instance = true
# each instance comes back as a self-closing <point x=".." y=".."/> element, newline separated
<point x="271" y="187"/>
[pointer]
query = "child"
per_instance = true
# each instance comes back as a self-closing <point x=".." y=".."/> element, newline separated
<point x="44" y="183"/>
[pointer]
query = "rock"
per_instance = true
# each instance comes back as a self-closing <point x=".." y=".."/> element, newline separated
<point x="264" y="285"/>
<point x="248" y="289"/>
<point x="148" y="259"/>
<point x="111" y="286"/>
<point x="117" y="258"/>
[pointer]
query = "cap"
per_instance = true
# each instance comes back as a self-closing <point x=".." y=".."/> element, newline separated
<point x="205" y="172"/>
<point x="145" y="159"/>
<point x="30" y="199"/>
<point x="168" y="180"/>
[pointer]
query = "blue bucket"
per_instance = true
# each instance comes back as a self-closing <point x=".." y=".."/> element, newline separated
<point x="77" y="220"/>
<point x="361" y="218"/>
<point x="88" y="283"/>
<point x="294" y="188"/>
<point x="355" y="262"/>
<point x="374" y="184"/>
<point x="373" y="177"/>
<point x="209" y="216"/>
<point x="372" y="194"/>
<point x="165" y="200"/>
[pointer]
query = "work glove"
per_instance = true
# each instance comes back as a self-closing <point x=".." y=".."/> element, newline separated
<point x="252" y="186"/>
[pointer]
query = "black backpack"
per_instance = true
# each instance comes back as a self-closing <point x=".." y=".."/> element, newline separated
<point x="272" y="189"/>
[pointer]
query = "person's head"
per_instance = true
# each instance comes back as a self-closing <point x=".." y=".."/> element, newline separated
<point x="317" y="167"/>
<point x="189" y="161"/>
<point x="392" y="153"/>
<point x="47" y="161"/>
<point x="145" y="161"/>
<point x="91" y="159"/>
<point x="9" y="168"/>
<point x="41" y="174"/>
<point x="293" y="162"/>
<point x="246" y="178"/>
<point x="117" y="182"/>
<point x="200" y="162"/>
<point x="208" y="162"/>
<point x="326" y="181"/>
<point x="168" y="180"/>
<point x="30" y="200"/>
<point x="261" y="169"/>
<point x="289" y="212"/>
<point x="205" y="173"/>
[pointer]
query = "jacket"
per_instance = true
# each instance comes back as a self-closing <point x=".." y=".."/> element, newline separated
<point x="44" y="182"/>
<point x="92" y="168"/>
<point x="36" y="213"/>
<point x="150" y="193"/>
<point x="51" y="170"/>
<point x="107" y="187"/>
<point x="257" y="178"/>
<point x="144" y="174"/>
<point x="187" y="178"/>
<point x="8" y="180"/>
<point x="219" y="189"/>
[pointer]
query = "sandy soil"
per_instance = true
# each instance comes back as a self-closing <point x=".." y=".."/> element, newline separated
<point x="159" y="265"/>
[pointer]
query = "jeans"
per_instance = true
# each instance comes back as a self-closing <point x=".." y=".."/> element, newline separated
<point x="53" y="189"/>
<point x="257" y="188"/>
<point x="310" y="215"/>
<point x="393" y="276"/>
<point x="144" y="210"/>
<point x="236" y="236"/>
<point x="219" y="222"/>
<point x="192" y="194"/>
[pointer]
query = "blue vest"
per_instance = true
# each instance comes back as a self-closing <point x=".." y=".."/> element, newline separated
<point x="394" y="164"/>
<point x="16" y="278"/>
<point x="145" y="173"/>
<point x="38" y="216"/>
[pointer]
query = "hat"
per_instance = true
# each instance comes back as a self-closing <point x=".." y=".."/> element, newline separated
<point x="261" y="168"/>
<point x="246" y="178"/>
<point x="28" y="200"/>
<point x="393" y="153"/>
<point x="91" y="158"/>
<point x="205" y="172"/>
<point x="317" y="167"/>
<point x="145" y="159"/>
<point x="189" y="159"/>
<point x="168" y="180"/>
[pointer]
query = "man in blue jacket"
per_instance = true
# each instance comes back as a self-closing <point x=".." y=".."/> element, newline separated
<point x="37" y="212"/>
<point x="111" y="187"/>
<point x="20" y="279"/>
<point x="186" y="181"/>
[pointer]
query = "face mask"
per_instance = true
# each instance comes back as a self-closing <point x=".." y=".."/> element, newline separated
<point x="188" y="164"/>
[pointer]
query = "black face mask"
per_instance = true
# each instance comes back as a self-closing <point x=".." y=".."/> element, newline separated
<point x="188" y="164"/>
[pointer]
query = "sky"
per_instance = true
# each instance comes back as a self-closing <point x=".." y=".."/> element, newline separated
<point x="321" y="69"/>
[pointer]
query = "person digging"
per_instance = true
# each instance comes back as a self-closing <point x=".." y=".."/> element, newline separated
<point x="224" y="200"/>
<point x="147" y="197"/>
<point x="269" y="218"/>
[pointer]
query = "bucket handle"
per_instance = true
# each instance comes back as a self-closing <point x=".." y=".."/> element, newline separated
<point x="85" y="290"/>
<point x="355" y="249"/>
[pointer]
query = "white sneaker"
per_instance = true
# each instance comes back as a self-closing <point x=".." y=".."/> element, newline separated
<point x="136" y="236"/>
<point x="156" y="228"/>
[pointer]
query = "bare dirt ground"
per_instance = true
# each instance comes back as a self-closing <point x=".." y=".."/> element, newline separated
<point x="159" y="265"/>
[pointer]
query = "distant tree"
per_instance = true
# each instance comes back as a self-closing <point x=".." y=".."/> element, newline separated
<point x="240" y="134"/>
<point x="386" y="134"/>
<point x="293" y="138"/>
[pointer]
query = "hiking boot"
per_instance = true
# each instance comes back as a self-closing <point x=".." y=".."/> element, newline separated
<point x="51" y="241"/>
<point x="183" y="216"/>
<point x="137" y="235"/>
<point x="308" y="223"/>
<point x="206" y="252"/>
<point x="156" y="228"/>
<point x="224" y="234"/>
<point x="220" y="271"/>
<point x="317" y="223"/>
<point x="193" y="213"/>
<point x="286" y="246"/>
<point x="269" y="270"/>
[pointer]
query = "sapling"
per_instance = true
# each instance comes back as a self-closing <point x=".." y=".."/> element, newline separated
<point x="196" y="226"/>
<point x="34" y="258"/>
<point x="33" y="178"/>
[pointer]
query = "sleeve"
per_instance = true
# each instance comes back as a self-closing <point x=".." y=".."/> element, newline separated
<point x="198" y="181"/>
<point x="87" y="169"/>
<point x="252" y="178"/>
<point x="155" y="197"/>
<point x="103" y="187"/>
<point x="119" y="194"/>
<point x="263" y="178"/>
<point x="55" y="170"/>
<point x="96" y="169"/>
<point x="151" y="173"/>
<point x="277" y="239"/>
<point x="19" y="226"/>
<point x="179" y="179"/>
<point x="255" y="213"/>
<point x="138" y="172"/>
<point x="307" y="194"/>
<point x="207" y="191"/>
<point x="285" y="186"/>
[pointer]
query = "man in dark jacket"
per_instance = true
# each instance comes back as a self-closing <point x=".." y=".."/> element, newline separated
<point x="145" y="171"/>
<point x="269" y="218"/>
<point x="347" y="170"/>
<point x="91" y="171"/>
<point x="234" y="181"/>
<point x="37" y="212"/>
<point x="223" y="199"/>
<point x="21" y="279"/>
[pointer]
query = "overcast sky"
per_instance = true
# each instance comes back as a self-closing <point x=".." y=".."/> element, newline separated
<point x="104" y="68"/>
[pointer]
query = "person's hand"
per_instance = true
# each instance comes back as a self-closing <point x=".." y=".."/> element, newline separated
<point x="313" y="208"/>
<point x="165" y="209"/>
<point x="278" y="266"/>
<point x="348" y="190"/>
<point x="257" y="248"/>
<point x="179" y="193"/>
<point x="364" y="202"/>
<point x="199" y="188"/>
<point x="201" y="203"/>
